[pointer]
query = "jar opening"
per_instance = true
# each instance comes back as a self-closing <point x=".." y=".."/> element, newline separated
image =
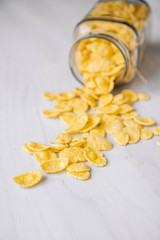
<point x="94" y="47"/>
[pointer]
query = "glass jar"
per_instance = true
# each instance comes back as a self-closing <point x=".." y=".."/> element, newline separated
<point x="109" y="42"/>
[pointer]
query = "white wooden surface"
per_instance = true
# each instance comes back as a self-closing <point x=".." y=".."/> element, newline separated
<point x="120" y="201"/>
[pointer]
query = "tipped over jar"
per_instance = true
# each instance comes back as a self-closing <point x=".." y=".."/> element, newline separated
<point x="109" y="42"/>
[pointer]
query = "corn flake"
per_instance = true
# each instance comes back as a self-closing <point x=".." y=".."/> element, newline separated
<point x="66" y="118"/>
<point x="89" y="100"/>
<point x="142" y="97"/>
<point x="114" y="126"/>
<point x="57" y="147"/>
<point x="78" y="167"/>
<point x="99" y="142"/>
<point x="27" y="148"/>
<point x="146" y="134"/>
<point x="77" y="124"/>
<point x="105" y="99"/>
<point x="79" y="91"/>
<point x="122" y="138"/>
<point x="92" y="93"/>
<point x="77" y="142"/>
<point x="44" y="156"/>
<point x="130" y="115"/>
<point x="66" y="96"/>
<point x="133" y="133"/>
<point x="104" y="85"/>
<point x="85" y="135"/>
<point x="63" y="107"/>
<point x="63" y="138"/>
<point x="130" y="123"/>
<point x="79" y="175"/>
<point x="74" y="154"/>
<point x="156" y="131"/>
<point x="50" y="96"/>
<point x="99" y="130"/>
<point x="79" y="106"/>
<point x="28" y="179"/>
<point x="125" y="108"/>
<point x="110" y="109"/>
<point x="95" y="157"/>
<point x="93" y="121"/>
<point x="55" y="165"/>
<point x="51" y="113"/>
<point x="120" y="99"/>
<point x="144" y="121"/>
<point x="130" y="95"/>
<point x="37" y="146"/>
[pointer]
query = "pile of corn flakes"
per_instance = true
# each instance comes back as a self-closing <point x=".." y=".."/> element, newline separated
<point x="89" y="117"/>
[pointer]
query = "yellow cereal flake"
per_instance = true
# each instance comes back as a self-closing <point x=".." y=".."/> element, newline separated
<point x="50" y="96"/>
<point x="74" y="154"/>
<point x="122" y="138"/>
<point x="146" y="134"/>
<point x="158" y="143"/>
<point x="110" y="109"/>
<point x="55" y="165"/>
<point x="66" y="96"/>
<point x="108" y="118"/>
<point x="95" y="157"/>
<point x="63" y="138"/>
<point x="156" y="131"/>
<point x="27" y="148"/>
<point x="78" y="142"/>
<point x="130" y="123"/>
<point x="89" y="100"/>
<point x="120" y="99"/>
<point x="78" y="167"/>
<point x="125" y="108"/>
<point x="79" y="91"/>
<point x="79" y="175"/>
<point x="57" y="147"/>
<point x="28" y="179"/>
<point x="77" y="124"/>
<point x="63" y="107"/>
<point x="144" y="121"/>
<point x="130" y="115"/>
<point x="43" y="156"/>
<point x="51" y="113"/>
<point x="92" y="93"/>
<point x="85" y="135"/>
<point x="99" y="142"/>
<point x="93" y="121"/>
<point x="130" y="94"/>
<point x="105" y="99"/>
<point x="133" y="133"/>
<point x="90" y="83"/>
<point x="67" y="117"/>
<point x="104" y="85"/>
<point x="79" y="106"/>
<point x="37" y="146"/>
<point x="114" y="126"/>
<point x="142" y="97"/>
<point x="99" y="130"/>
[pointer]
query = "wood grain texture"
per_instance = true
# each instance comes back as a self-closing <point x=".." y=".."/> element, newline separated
<point x="120" y="201"/>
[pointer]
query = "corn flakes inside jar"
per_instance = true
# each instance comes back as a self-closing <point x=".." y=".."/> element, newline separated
<point x="109" y="42"/>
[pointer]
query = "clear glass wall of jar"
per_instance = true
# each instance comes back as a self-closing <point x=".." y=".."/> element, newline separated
<point x="110" y="41"/>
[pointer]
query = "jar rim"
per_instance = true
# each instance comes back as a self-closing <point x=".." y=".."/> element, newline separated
<point x="108" y="18"/>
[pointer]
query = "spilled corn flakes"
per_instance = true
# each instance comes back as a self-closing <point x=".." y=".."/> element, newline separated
<point x="113" y="115"/>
